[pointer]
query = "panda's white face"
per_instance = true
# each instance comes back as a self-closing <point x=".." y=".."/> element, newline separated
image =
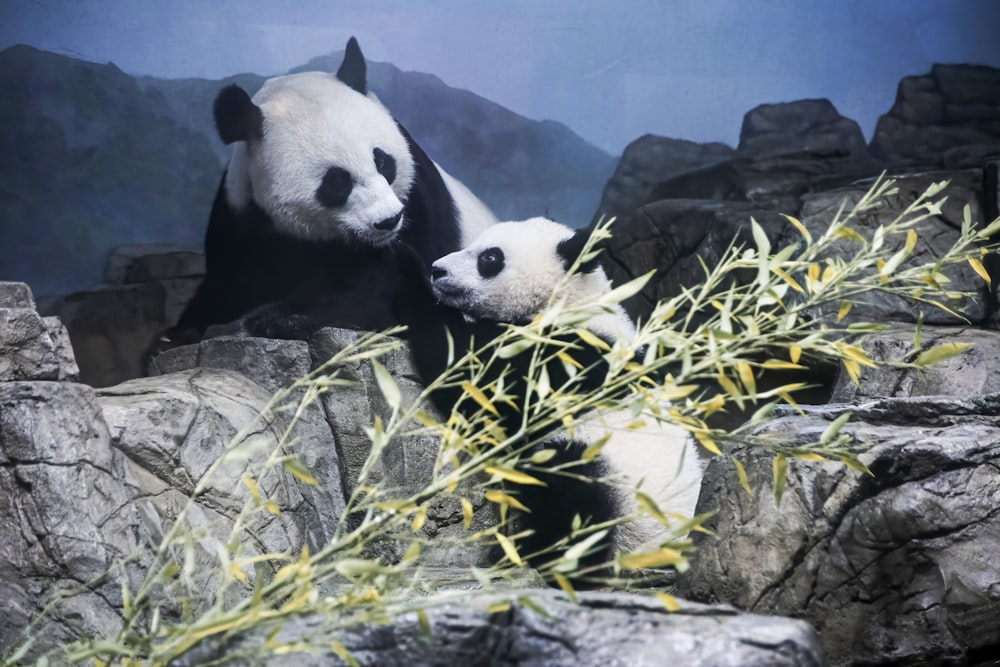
<point x="509" y="272"/>
<point x="329" y="163"/>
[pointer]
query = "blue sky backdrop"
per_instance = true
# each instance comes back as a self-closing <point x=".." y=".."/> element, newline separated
<point x="610" y="69"/>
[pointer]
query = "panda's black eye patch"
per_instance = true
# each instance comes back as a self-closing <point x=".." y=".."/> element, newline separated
<point x="335" y="188"/>
<point x="490" y="262"/>
<point x="385" y="164"/>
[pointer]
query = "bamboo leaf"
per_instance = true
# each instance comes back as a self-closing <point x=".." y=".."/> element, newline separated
<point x="845" y="308"/>
<point x="579" y="550"/>
<point x="629" y="289"/>
<point x="741" y="473"/>
<point x="833" y="429"/>
<point x="299" y="471"/>
<point x="707" y="443"/>
<point x="511" y="475"/>
<point x="779" y="472"/>
<point x="501" y="498"/>
<point x="941" y="352"/>
<point x="510" y="550"/>
<point x="565" y="586"/>
<point x="669" y="602"/>
<point x="592" y="339"/>
<point x="543" y="456"/>
<point x="425" y="625"/>
<point x="801" y="228"/>
<point x="386" y="384"/>
<point x="663" y="557"/>
<point x="419" y="519"/>
<point x="466" y="513"/>
<point x="479" y="397"/>
<point x="595" y="449"/>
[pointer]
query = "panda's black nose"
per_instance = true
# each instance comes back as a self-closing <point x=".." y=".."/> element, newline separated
<point x="389" y="223"/>
<point x="437" y="272"/>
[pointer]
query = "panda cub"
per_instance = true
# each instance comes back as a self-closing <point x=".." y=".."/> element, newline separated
<point x="321" y="183"/>
<point x="508" y="274"/>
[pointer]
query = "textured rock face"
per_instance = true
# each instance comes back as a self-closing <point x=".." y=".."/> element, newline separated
<point x="31" y="347"/>
<point x="67" y="513"/>
<point x="803" y="126"/>
<point x="935" y="235"/>
<point x="113" y="325"/>
<point x="670" y="236"/>
<point x="973" y="373"/>
<point x="603" y="629"/>
<point x="647" y="161"/>
<point x="953" y="105"/>
<point x="898" y="567"/>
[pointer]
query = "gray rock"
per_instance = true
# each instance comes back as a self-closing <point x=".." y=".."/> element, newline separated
<point x="113" y="327"/>
<point x="16" y="295"/>
<point x="897" y="568"/>
<point x="603" y="630"/>
<point x="142" y="263"/>
<point x="804" y="126"/>
<point x="936" y="235"/>
<point x="173" y="428"/>
<point x="973" y="373"/>
<point x="670" y="236"/>
<point x="67" y="514"/>
<point x="952" y="106"/>
<point x="34" y="348"/>
<point x="275" y="365"/>
<point x="647" y="161"/>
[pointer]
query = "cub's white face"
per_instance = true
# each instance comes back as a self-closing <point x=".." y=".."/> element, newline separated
<point x="509" y="272"/>
<point x="330" y="163"/>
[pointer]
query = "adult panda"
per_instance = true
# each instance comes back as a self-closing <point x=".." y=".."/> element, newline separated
<point x="508" y="275"/>
<point x="322" y="182"/>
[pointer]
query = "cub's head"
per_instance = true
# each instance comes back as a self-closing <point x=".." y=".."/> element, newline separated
<point x="509" y="272"/>
<point x="319" y="154"/>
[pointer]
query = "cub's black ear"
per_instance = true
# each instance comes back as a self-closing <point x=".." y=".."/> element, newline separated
<point x="237" y="118"/>
<point x="570" y="249"/>
<point x="353" y="70"/>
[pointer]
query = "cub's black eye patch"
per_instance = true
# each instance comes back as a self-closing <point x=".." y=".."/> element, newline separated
<point x="335" y="188"/>
<point x="490" y="262"/>
<point x="385" y="164"/>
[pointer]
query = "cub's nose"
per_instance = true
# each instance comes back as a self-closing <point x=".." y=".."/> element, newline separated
<point x="437" y="272"/>
<point x="389" y="223"/>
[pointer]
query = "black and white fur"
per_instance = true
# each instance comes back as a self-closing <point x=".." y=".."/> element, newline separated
<point x="508" y="274"/>
<point x="321" y="183"/>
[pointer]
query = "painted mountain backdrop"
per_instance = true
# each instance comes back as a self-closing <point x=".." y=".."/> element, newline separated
<point x="92" y="158"/>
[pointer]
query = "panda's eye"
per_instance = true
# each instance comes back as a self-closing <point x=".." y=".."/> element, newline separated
<point x="385" y="164"/>
<point x="490" y="262"/>
<point x="335" y="187"/>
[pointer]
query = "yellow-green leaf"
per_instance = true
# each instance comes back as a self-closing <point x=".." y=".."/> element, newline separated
<point x="794" y="353"/>
<point x="978" y="267"/>
<point x="341" y="651"/>
<point x="511" y="475"/>
<point x="543" y="456"/>
<point x="479" y="397"/>
<point x="425" y="625"/>
<point x="386" y="384"/>
<point x="272" y="507"/>
<point x="252" y="487"/>
<point x="501" y="498"/>
<point x="670" y="603"/>
<point x="800" y="227"/>
<point x="779" y="470"/>
<point x="466" y="513"/>
<point x="941" y="352"/>
<point x="660" y="558"/>
<point x="742" y="474"/>
<point x="299" y="471"/>
<point x="510" y="550"/>
<point x="845" y="308"/>
<point x="707" y="443"/>
<point x="592" y="339"/>
<point x="595" y="449"/>
<point x="565" y="586"/>
<point x="419" y="519"/>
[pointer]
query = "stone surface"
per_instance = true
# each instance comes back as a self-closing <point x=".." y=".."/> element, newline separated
<point x="973" y="373"/>
<point x="647" y="161"/>
<point x="670" y="236"/>
<point x="274" y="365"/>
<point x="33" y="347"/>
<point x="142" y="263"/>
<point x="172" y="429"/>
<point x="16" y="295"/>
<point x="67" y="513"/>
<point x="897" y="568"/>
<point x="603" y="630"/>
<point x="952" y="106"/>
<point x="803" y="126"/>
<point x="935" y="235"/>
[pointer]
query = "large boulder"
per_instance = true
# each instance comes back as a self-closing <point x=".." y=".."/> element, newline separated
<point x="113" y="325"/>
<point x="540" y="629"/>
<point x="68" y="515"/>
<point x="935" y="236"/>
<point x="32" y="347"/>
<point x="647" y="161"/>
<point x="952" y="106"/>
<point x="895" y="568"/>
<point x="803" y="126"/>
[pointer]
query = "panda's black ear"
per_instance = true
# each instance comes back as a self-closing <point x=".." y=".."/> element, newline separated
<point x="237" y="118"/>
<point x="353" y="71"/>
<point x="570" y="249"/>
